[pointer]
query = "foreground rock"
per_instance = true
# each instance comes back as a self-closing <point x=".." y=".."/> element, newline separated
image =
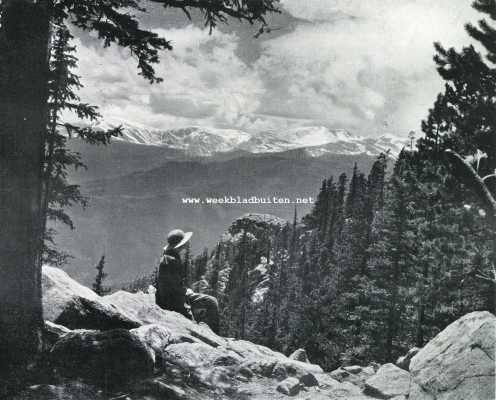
<point x="389" y="381"/>
<point x="458" y="364"/>
<point x="167" y="356"/>
<point x="354" y="374"/>
<point x="109" y="358"/>
<point x="170" y="357"/>
<point x="67" y="303"/>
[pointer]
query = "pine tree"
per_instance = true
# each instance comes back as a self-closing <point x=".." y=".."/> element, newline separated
<point x="213" y="280"/>
<point x="463" y="120"/>
<point x="98" y="286"/>
<point x="338" y="214"/>
<point x="199" y="266"/>
<point x="316" y="217"/>
<point x="463" y="117"/>
<point x="485" y="33"/>
<point x="58" y="194"/>
<point x="393" y="264"/>
<point x="351" y="196"/>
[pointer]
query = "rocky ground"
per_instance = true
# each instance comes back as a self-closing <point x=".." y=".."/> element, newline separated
<point x="123" y="346"/>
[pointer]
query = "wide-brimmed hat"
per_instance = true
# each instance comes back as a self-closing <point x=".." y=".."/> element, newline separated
<point x="177" y="238"/>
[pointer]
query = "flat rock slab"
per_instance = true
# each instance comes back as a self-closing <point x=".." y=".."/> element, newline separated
<point x="458" y="364"/>
<point x="388" y="382"/>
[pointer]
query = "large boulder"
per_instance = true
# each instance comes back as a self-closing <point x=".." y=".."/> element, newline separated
<point x="388" y="382"/>
<point x="83" y="313"/>
<point x="67" y="303"/>
<point x="458" y="364"/>
<point x="141" y="307"/>
<point x="105" y="358"/>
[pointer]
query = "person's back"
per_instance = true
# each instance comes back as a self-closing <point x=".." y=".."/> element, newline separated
<point x="171" y="282"/>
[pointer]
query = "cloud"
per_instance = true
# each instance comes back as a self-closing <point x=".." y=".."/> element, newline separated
<point x="364" y="65"/>
<point x="361" y="65"/>
<point x="204" y="81"/>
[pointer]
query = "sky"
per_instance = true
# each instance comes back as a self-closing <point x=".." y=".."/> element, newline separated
<point x="361" y="65"/>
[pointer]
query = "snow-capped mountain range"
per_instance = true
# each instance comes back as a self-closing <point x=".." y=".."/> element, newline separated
<point x="315" y="140"/>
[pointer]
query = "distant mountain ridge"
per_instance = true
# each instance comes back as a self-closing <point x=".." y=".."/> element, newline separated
<point x="197" y="141"/>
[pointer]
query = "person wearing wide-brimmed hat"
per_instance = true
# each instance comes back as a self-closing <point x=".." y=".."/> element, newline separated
<point x="171" y="282"/>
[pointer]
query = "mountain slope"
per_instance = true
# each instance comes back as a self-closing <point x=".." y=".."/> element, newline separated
<point x="206" y="142"/>
<point x="130" y="214"/>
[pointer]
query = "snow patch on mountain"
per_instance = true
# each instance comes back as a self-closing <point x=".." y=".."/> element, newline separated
<point x="317" y="141"/>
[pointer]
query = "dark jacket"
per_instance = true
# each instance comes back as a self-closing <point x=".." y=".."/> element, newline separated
<point x="171" y="283"/>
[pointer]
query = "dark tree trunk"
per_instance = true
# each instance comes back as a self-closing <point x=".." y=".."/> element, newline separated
<point x="24" y="37"/>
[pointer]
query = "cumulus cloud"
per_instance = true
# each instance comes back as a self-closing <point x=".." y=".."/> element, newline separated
<point x="364" y="65"/>
<point x="204" y="81"/>
<point x="361" y="65"/>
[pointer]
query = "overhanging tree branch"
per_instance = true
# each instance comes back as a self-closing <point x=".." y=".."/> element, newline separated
<point x="470" y="177"/>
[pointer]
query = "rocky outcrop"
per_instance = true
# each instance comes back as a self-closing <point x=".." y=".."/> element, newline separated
<point x="67" y="303"/>
<point x="458" y="364"/>
<point x="169" y="356"/>
<point x="389" y="381"/>
<point x="258" y="227"/>
<point x="83" y="313"/>
<point x="106" y="358"/>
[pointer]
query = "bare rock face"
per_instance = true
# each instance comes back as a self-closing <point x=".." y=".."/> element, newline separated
<point x="83" y="313"/>
<point x="388" y="382"/>
<point x="105" y="358"/>
<point x="404" y="361"/>
<point x="67" y="303"/>
<point x="166" y="357"/>
<point x="458" y="364"/>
